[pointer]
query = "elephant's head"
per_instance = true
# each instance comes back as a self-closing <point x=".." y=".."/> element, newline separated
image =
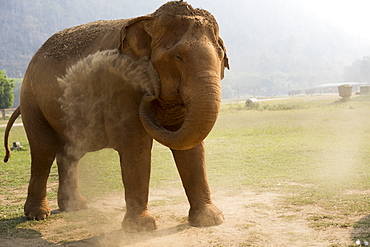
<point x="184" y="47"/>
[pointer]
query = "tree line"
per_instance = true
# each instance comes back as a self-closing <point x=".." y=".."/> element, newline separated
<point x="273" y="45"/>
<point x="358" y="71"/>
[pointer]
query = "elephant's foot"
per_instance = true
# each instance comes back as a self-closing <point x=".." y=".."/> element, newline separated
<point x="209" y="215"/>
<point x="138" y="223"/>
<point x="36" y="209"/>
<point x="74" y="203"/>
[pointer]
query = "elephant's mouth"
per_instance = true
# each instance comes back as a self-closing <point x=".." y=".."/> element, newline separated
<point x="183" y="124"/>
<point x="170" y="114"/>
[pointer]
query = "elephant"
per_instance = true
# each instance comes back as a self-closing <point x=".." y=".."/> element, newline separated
<point x="121" y="84"/>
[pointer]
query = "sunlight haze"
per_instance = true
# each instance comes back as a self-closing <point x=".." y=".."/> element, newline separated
<point x="273" y="46"/>
<point x="353" y="16"/>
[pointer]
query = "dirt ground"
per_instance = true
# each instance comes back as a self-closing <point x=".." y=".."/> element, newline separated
<point x="251" y="219"/>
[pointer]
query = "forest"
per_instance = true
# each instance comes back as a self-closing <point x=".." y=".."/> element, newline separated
<point x="274" y="45"/>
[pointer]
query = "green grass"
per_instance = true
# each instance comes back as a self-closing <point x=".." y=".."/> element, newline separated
<point x="312" y="150"/>
<point x="326" y="143"/>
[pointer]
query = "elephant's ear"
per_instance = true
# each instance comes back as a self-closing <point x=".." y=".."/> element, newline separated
<point x="225" y="61"/>
<point x="134" y="40"/>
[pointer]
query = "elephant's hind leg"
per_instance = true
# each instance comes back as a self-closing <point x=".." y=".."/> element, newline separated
<point x="43" y="144"/>
<point x="36" y="206"/>
<point x="69" y="197"/>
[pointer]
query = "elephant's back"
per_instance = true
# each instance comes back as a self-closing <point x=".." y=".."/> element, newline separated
<point x="80" y="41"/>
<point x="67" y="47"/>
<point x="40" y="90"/>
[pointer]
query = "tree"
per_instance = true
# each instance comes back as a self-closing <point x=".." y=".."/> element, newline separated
<point x="6" y="91"/>
<point x="359" y="71"/>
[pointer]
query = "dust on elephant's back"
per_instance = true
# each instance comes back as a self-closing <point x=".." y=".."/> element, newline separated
<point x="93" y="98"/>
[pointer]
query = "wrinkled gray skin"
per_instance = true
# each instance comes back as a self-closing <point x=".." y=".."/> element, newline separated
<point x="119" y="84"/>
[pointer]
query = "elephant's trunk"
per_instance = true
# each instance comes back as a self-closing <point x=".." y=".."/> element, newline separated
<point x="202" y="104"/>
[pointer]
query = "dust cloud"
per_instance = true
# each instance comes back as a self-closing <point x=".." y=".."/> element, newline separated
<point x="98" y="93"/>
<point x="341" y="158"/>
<point x="95" y="91"/>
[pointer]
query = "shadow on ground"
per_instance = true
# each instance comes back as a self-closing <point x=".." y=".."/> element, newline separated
<point x="121" y="238"/>
<point x="13" y="235"/>
<point x="361" y="230"/>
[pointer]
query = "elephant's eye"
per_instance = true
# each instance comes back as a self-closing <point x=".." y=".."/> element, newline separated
<point x="178" y="57"/>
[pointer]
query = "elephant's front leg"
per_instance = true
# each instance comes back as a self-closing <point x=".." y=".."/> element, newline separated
<point x="135" y="165"/>
<point x="192" y="169"/>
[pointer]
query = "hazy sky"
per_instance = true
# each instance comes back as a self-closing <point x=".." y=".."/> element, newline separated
<point x="352" y="15"/>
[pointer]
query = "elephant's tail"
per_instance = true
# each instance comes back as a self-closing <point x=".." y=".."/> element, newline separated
<point x="11" y="121"/>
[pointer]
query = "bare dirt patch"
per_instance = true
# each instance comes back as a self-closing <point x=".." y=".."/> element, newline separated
<point x="251" y="219"/>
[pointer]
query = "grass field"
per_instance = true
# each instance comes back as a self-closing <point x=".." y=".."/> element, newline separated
<point x="310" y="154"/>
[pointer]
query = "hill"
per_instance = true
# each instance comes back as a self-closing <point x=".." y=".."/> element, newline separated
<point x="273" y="45"/>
